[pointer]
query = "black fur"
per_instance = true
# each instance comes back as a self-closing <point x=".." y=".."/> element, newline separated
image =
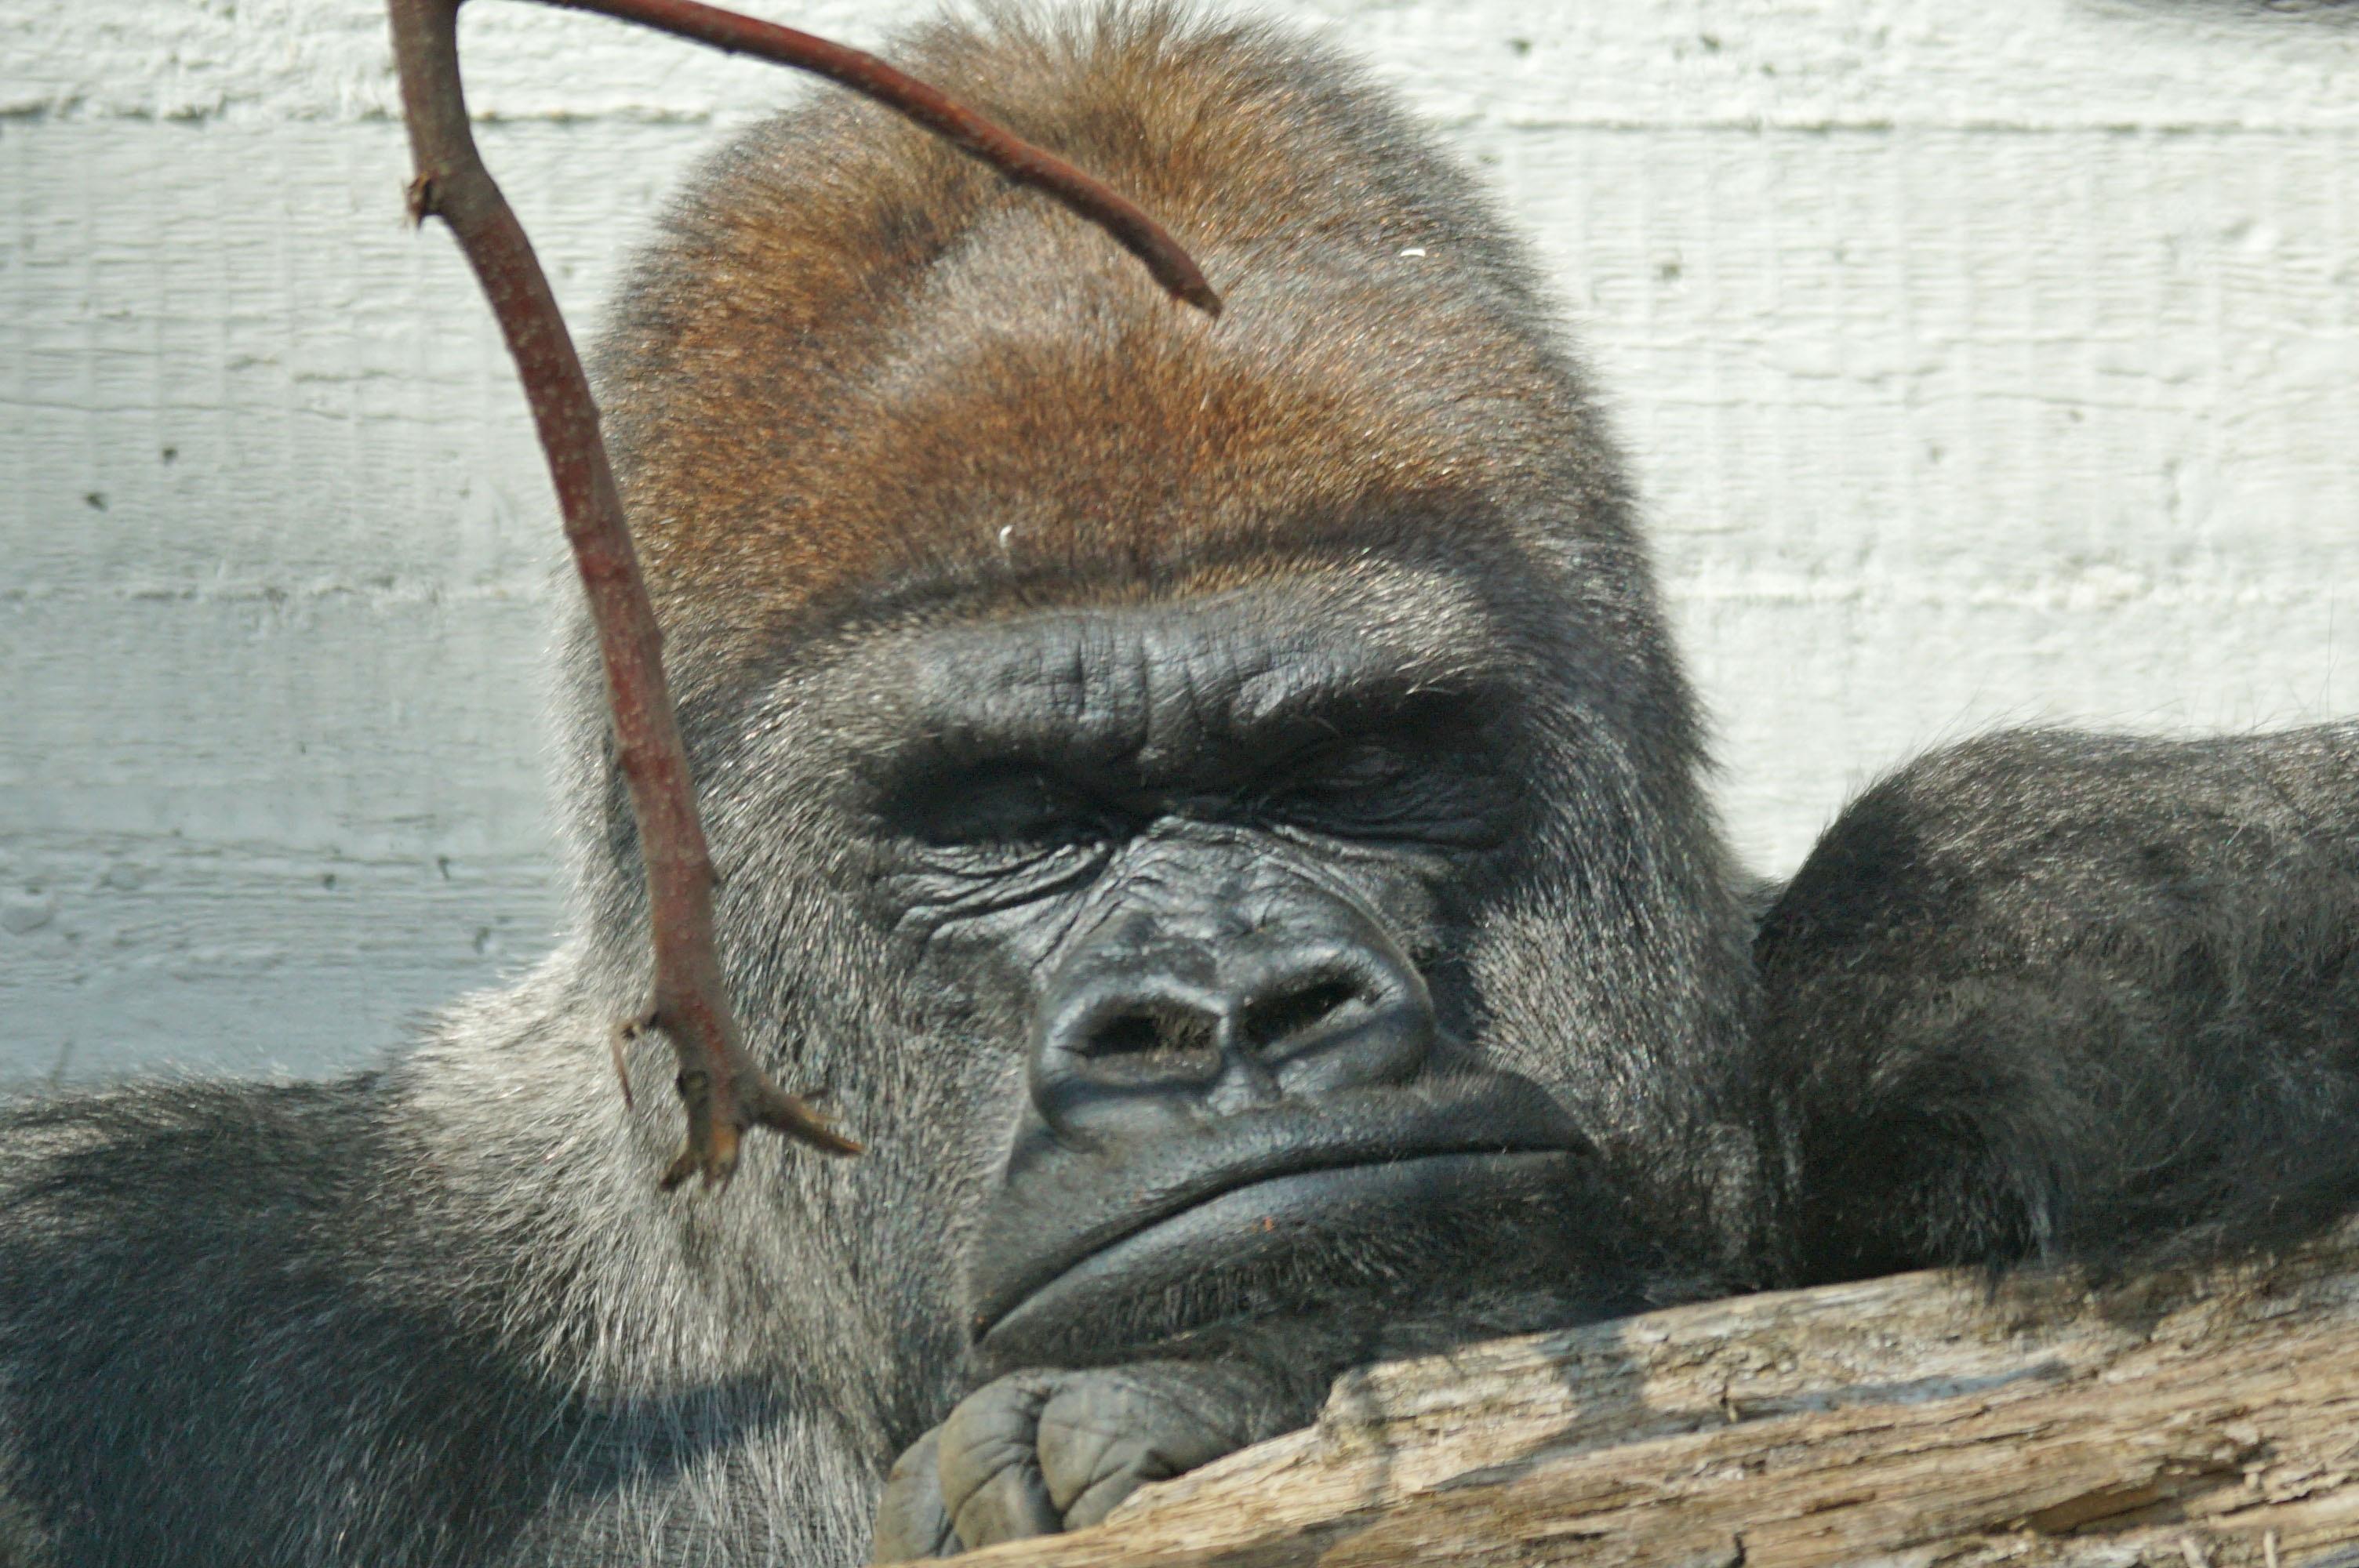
<point x="881" y="420"/>
<point x="2050" y="993"/>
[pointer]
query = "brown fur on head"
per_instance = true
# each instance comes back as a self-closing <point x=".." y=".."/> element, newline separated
<point x="858" y="364"/>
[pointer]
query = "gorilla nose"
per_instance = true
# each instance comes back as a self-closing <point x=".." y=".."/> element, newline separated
<point x="1130" y="1030"/>
<point x="1182" y="1032"/>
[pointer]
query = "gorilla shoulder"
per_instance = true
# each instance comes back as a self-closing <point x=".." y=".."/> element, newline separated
<point x="2047" y="993"/>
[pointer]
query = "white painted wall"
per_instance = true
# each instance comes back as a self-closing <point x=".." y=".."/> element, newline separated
<point x="1982" y="362"/>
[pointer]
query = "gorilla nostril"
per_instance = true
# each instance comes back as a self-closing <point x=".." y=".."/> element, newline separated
<point x="1131" y="1032"/>
<point x="1154" y="1041"/>
<point x="1282" y="1017"/>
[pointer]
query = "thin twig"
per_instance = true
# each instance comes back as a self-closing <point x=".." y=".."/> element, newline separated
<point x="724" y="1092"/>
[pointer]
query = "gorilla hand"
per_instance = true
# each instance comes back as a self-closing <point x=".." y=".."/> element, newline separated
<point x="1039" y="1451"/>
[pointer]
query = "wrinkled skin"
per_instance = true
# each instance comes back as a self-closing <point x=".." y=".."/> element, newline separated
<point x="1217" y="806"/>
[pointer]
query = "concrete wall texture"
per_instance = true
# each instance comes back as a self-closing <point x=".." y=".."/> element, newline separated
<point x="1980" y="364"/>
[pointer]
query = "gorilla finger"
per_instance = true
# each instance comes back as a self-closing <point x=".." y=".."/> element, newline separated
<point x="911" y="1522"/>
<point x="990" y="1470"/>
<point x="1105" y="1435"/>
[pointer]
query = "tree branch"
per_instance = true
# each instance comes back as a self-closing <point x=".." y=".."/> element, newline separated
<point x="724" y="1092"/>
<point x="2189" y="1419"/>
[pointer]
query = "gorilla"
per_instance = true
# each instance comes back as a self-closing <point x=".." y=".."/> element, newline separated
<point x="1216" y="804"/>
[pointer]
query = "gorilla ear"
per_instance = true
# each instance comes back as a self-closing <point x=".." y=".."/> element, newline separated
<point x="726" y="1094"/>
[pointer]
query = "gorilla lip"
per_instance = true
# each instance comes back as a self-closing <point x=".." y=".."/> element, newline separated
<point x="1283" y="1171"/>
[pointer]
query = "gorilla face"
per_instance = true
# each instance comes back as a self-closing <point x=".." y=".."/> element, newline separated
<point x="1211" y="864"/>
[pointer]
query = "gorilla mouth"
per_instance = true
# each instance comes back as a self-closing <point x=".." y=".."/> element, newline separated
<point x="1258" y="1188"/>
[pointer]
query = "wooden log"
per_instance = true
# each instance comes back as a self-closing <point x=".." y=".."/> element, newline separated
<point x="2192" y="1419"/>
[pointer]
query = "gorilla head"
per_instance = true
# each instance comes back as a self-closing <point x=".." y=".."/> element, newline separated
<point x="1213" y="798"/>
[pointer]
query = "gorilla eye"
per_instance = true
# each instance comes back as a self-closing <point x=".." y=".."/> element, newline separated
<point x="1006" y="807"/>
<point x="1350" y="774"/>
<point x="1426" y="776"/>
<point x="1357" y="788"/>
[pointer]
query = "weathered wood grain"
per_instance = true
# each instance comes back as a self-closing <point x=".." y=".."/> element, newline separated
<point x="2196" y="1419"/>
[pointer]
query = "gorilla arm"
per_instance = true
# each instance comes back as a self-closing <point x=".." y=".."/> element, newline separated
<point x="2049" y="994"/>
